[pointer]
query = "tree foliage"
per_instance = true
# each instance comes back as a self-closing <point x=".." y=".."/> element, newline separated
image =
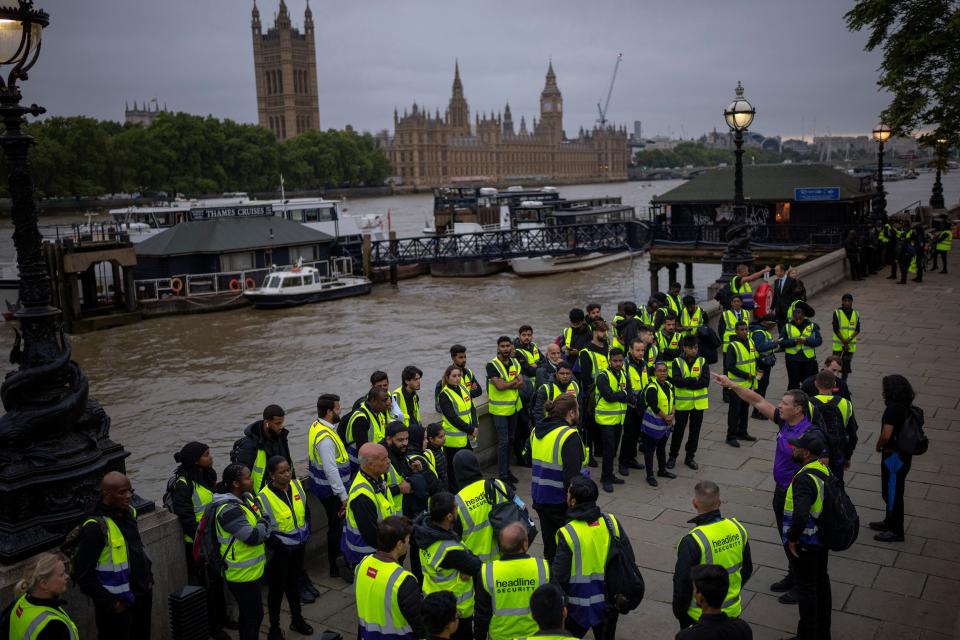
<point x="691" y="153"/>
<point x="182" y="153"/>
<point x="920" y="40"/>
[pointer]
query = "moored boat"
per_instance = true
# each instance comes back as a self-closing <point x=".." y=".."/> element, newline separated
<point x="298" y="285"/>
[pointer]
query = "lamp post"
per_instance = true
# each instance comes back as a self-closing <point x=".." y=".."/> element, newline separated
<point x="936" y="197"/>
<point x="881" y="133"/>
<point x="54" y="438"/>
<point x="739" y="115"/>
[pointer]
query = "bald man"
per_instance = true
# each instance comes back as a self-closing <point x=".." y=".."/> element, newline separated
<point x="368" y="504"/>
<point x="122" y="604"/>
<point x="506" y="586"/>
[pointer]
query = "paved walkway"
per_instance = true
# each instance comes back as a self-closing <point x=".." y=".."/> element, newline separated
<point x="880" y="591"/>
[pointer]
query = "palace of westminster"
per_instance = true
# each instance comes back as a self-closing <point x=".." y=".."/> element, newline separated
<point x="427" y="149"/>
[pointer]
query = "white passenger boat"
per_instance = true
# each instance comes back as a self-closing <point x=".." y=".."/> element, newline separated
<point x="299" y="285"/>
<point x="548" y="265"/>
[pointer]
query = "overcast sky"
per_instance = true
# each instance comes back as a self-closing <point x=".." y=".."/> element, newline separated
<point x="803" y="71"/>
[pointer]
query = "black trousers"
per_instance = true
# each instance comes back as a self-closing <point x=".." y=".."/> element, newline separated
<point x="134" y="623"/>
<point x="695" y="417"/>
<point x="610" y="436"/>
<point x="464" y="630"/>
<point x="800" y="370"/>
<point x="904" y="268"/>
<point x="779" y="500"/>
<point x="331" y="507"/>
<point x="552" y="517"/>
<point x="591" y="437"/>
<point x="651" y="446"/>
<point x="846" y="360"/>
<point x="940" y="254"/>
<point x="606" y="630"/>
<point x="813" y="592"/>
<point x="894" y="467"/>
<point x="738" y="414"/>
<point x="284" y="567"/>
<point x="764" y="380"/>
<point x="631" y="437"/>
<point x="854" y="261"/>
<point x="250" y="605"/>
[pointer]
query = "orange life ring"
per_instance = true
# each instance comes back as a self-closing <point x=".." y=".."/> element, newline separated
<point x="250" y="283"/>
<point x="234" y="285"/>
<point x="176" y="285"/>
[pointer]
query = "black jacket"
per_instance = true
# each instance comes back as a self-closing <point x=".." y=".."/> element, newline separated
<point x="440" y="461"/>
<point x="546" y="372"/>
<point x="688" y="556"/>
<point x="90" y="545"/>
<point x="730" y="360"/>
<point x="571" y="454"/>
<point x="365" y="511"/>
<point x="254" y="440"/>
<point x="53" y="630"/>
<point x="410" y="602"/>
<point x="562" y="561"/>
<point x="605" y="391"/>
<point x="717" y="627"/>
<point x="809" y="387"/>
<point x="183" y="494"/>
<point x="540" y="399"/>
<point x="450" y="413"/>
<point x="586" y="364"/>
<point x="425" y="533"/>
<point x="627" y="330"/>
<point x="679" y="382"/>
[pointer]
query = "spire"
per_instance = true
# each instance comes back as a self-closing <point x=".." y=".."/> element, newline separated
<point x="551" y="76"/>
<point x="457" y="84"/>
<point x="523" y="125"/>
<point x="308" y="19"/>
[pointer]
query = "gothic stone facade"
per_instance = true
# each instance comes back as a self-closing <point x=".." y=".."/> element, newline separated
<point x="285" y="61"/>
<point x="428" y="150"/>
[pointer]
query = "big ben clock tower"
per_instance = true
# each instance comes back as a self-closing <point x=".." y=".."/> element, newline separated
<point x="551" y="109"/>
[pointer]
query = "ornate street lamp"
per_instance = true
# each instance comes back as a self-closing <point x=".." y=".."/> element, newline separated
<point x="54" y="438"/>
<point x="936" y="197"/>
<point x="739" y="115"/>
<point x="881" y="133"/>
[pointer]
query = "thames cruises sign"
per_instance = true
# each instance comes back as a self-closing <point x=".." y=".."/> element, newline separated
<point x="242" y="211"/>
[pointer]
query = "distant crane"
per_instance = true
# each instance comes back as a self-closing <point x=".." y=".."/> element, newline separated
<point x="602" y="120"/>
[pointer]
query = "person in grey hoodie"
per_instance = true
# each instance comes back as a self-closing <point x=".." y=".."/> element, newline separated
<point x="232" y="504"/>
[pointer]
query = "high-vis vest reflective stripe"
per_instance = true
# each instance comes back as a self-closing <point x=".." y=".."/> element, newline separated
<point x="744" y="291"/>
<point x="510" y="584"/>
<point x="291" y="517"/>
<point x="648" y="318"/>
<point x="811" y="533"/>
<point x="200" y="497"/>
<point x="688" y="320"/>
<point x="113" y="565"/>
<point x="437" y="578"/>
<point x="689" y="399"/>
<point x="746" y="362"/>
<point x="615" y="340"/>
<point x="530" y="354"/>
<point x="503" y="403"/>
<point x="378" y="609"/>
<point x="598" y="363"/>
<point x="27" y="620"/>
<point x="944" y="241"/>
<point x="589" y="543"/>
<point x="319" y="482"/>
<point x="546" y="484"/>
<point x="474" y="513"/>
<point x="794" y="332"/>
<point x="456" y="438"/>
<point x="376" y="430"/>
<point x="258" y="475"/>
<point x="770" y="350"/>
<point x="352" y="545"/>
<point x="637" y="375"/>
<point x="244" y="562"/>
<point x="611" y="413"/>
<point x="847" y="328"/>
<point x="722" y="542"/>
<point x="672" y="342"/>
<point x="885" y="234"/>
<point x="466" y="381"/>
<point x="408" y="412"/>
<point x="394" y="479"/>
<point x="674" y="304"/>
<point x="653" y="425"/>
<point x="843" y="406"/>
<point x="554" y="391"/>
<point x="730" y="321"/>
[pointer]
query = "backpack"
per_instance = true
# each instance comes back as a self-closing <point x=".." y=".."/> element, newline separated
<point x="912" y="441"/>
<point x="168" y="492"/>
<point x="506" y="513"/>
<point x="724" y="295"/>
<point x="342" y="427"/>
<point x="838" y="523"/>
<point x="206" y="546"/>
<point x="622" y="577"/>
<point x="829" y="421"/>
<point x="72" y="542"/>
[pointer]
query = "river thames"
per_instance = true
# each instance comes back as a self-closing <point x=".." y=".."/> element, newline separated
<point x="168" y="381"/>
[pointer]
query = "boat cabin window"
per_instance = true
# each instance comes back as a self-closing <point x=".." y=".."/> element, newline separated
<point x="292" y="281"/>
<point x="311" y="214"/>
<point x="272" y="282"/>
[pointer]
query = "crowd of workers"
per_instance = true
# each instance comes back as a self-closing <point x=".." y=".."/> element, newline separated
<point x="394" y="488"/>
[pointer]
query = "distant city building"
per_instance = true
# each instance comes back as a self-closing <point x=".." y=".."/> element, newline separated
<point x="637" y="130"/>
<point x="800" y="147"/>
<point x="285" y="62"/>
<point x="842" y="147"/>
<point x="432" y="150"/>
<point x="144" y="114"/>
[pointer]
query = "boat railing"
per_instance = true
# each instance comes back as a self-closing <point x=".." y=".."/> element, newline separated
<point x="85" y="234"/>
<point x="780" y="235"/>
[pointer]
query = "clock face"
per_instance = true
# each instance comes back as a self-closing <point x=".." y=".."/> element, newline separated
<point x="548" y="105"/>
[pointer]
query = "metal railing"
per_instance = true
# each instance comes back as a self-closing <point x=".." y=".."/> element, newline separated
<point x="787" y="235"/>
<point x="80" y="234"/>
<point x="191" y="285"/>
<point x="512" y="243"/>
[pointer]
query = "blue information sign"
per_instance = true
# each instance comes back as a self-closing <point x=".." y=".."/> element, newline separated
<point x="811" y="194"/>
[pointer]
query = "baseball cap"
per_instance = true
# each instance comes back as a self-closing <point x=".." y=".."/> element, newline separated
<point x="811" y="440"/>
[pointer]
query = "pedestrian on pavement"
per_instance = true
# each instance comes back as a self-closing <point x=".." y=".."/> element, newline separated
<point x="562" y="383"/>
<point x="576" y="336"/>
<point x="458" y="354"/>
<point x="367" y="422"/>
<point x="474" y="502"/>
<point x="898" y="395"/>
<point x="387" y="595"/>
<point x="638" y="377"/>
<point x="435" y="451"/>
<point x="713" y="540"/>
<point x="111" y="565"/>
<point x="942" y="248"/>
<point x="766" y="347"/>
<point x="659" y="414"/>
<point x="652" y="314"/>
<point x="504" y="381"/>
<point x="835" y="416"/>
<point x="594" y="313"/>
<point x="558" y="457"/>
<point x="285" y="500"/>
<point x="833" y="364"/>
<point x="851" y="247"/>
<point x="261" y="441"/>
<point x="407" y="396"/>
<point x="906" y="252"/>
<point x="380" y="380"/>
<point x="194" y="482"/>
<point x="459" y="418"/>
<point x="329" y="465"/>
<point x="609" y="411"/>
<point x="740" y="363"/>
<point x="368" y="503"/>
<point x="548" y="365"/>
<point x="799" y="342"/>
<point x="692" y="317"/>
<point x="784" y="295"/>
<point x="802" y="539"/>
<point x="710" y="587"/>
<point x="740" y="284"/>
<point x="440" y="615"/>
<point x="846" y="328"/>
<point x="691" y="381"/>
<point x="792" y="422"/>
<point x="548" y="607"/>
<point x="578" y="567"/>
<point x="37" y="612"/>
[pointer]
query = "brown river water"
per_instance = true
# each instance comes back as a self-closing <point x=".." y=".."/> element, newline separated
<point x="168" y="381"/>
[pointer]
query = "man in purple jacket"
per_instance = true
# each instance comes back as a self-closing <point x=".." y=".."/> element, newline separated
<point x="791" y="418"/>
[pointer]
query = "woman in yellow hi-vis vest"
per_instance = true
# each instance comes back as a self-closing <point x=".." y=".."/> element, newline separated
<point x="38" y="612"/>
<point x="459" y="423"/>
<point x="193" y="484"/>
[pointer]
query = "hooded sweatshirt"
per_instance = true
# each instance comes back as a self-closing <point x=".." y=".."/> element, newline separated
<point x="562" y="561"/>
<point x="233" y="519"/>
<point x="426" y="533"/>
<point x="90" y="545"/>
<point x="183" y="494"/>
<point x="571" y="454"/>
<point x="254" y="439"/>
<point x="466" y="468"/>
